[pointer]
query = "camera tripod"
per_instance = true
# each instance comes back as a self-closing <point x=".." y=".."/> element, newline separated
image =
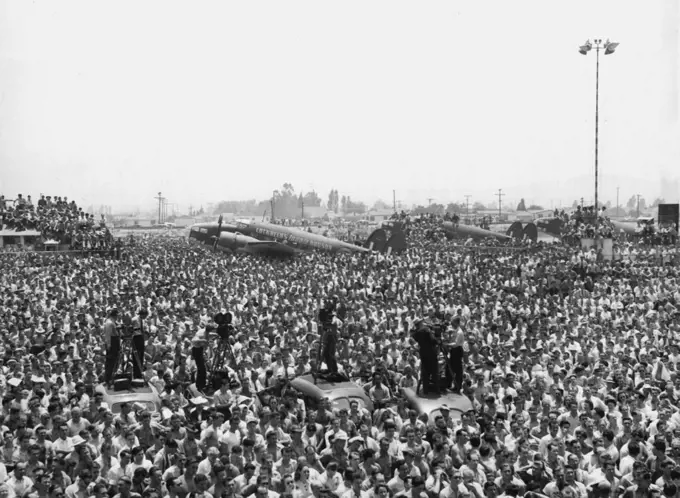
<point x="443" y="382"/>
<point x="126" y="356"/>
<point x="223" y="355"/>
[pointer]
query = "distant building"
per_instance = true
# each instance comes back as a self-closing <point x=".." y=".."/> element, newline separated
<point x="314" y="212"/>
<point x="379" y="215"/>
<point x="184" y="221"/>
<point x="523" y="216"/>
<point x="493" y="213"/>
<point x="543" y="213"/>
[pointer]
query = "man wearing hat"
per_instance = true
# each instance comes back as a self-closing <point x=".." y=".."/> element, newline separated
<point x="337" y="451"/>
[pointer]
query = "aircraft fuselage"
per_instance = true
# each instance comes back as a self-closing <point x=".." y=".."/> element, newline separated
<point x="255" y="232"/>
<point x="461" y="230"/>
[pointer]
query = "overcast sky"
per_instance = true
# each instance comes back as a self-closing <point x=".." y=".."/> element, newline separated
<point x="109" y="102"/>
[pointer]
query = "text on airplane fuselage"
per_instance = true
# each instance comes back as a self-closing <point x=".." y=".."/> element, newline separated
<point x="285" y="237"/>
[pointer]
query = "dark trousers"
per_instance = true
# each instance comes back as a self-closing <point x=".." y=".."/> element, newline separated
<point x="138" y="356"/>
<point x="329" y="352"/>
<point x="201" y="372"/>
<point x="456" y="362"/>
<point x="112" y="354"/>
<point x="36" y="350"/>
<point x="429" y="371"/>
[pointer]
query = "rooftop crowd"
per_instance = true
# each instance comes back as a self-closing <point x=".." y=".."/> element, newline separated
<point x="571" y="364"/>
<point x="56" y="219"/>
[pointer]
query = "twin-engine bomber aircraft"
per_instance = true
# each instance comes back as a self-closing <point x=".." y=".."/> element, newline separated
<point x="265" y="238"/>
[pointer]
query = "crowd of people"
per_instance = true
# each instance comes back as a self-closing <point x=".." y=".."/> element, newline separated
<point x="57" y="219"/>
<point x="571" y="365"/>
<point x="584" y="223"/>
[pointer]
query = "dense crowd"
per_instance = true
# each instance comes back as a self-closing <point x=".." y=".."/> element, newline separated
<point x="57" y="220"/>
<point x="584" y="223"/>
<point x="571" y="364"/>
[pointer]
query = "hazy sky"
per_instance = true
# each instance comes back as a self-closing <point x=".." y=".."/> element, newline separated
<point x="109" y="102"/>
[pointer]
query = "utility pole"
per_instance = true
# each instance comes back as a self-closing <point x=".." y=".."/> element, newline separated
<point x="429" y="201"/>
<point x="638" y="204"/>
<point x="581" y="202"/>
<point x="394" y="200"/>
<point x="160" y="201"/>
<point x="608" y="47"/>
<point x="302" y="202"/>
<point x="165" y="209"/>
<point x="617" y="202"/>
<point x="272" y="203"/>
<point x="467" y="205"/>
<point x="499" y="194"/>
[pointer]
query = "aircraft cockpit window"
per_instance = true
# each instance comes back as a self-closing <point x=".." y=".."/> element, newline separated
<point x="203" y="230"/>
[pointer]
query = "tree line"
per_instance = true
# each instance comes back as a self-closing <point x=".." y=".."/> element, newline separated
<point x="287" y="203"/>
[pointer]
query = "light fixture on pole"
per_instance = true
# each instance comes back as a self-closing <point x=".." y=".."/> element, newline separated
<point x="609" y="47"/>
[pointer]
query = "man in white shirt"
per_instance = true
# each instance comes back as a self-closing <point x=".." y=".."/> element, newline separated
<point x="18" y="482"/>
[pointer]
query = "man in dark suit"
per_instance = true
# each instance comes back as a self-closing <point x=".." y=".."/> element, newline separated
<point x="429" y="364"/>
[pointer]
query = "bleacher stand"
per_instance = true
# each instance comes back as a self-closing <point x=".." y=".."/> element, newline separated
<point x="57" y="219"/>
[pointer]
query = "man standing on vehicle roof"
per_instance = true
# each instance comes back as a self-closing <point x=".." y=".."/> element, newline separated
<point x="112" y="341"/>
<point x="457" y="354"/>
<point x="429" y="364"/>
<point x="138" y="343"/>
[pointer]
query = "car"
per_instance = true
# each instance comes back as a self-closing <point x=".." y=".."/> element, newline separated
<point x="145" y="395"/>
<point x="431" y="403"/>
<point x="337" y="388"/>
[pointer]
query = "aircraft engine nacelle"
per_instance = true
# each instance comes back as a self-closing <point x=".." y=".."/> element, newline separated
<point x="234" y="241"/>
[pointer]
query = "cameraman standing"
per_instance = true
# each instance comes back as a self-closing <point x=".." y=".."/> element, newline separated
<point x="138" y="346"/>
<point x="429" y="364"/>
<point x="330" y="323"/>
<point x="198" y="345"/>
<point x="112" y="341"/>
<point x="457" y="355"/>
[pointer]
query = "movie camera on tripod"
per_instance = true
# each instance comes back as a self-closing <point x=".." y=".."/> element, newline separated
<point x="328" y="313"/>
<point x="223" y="354"/>
<point x="127" y="326"/>
<point x="224" y="327"/>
